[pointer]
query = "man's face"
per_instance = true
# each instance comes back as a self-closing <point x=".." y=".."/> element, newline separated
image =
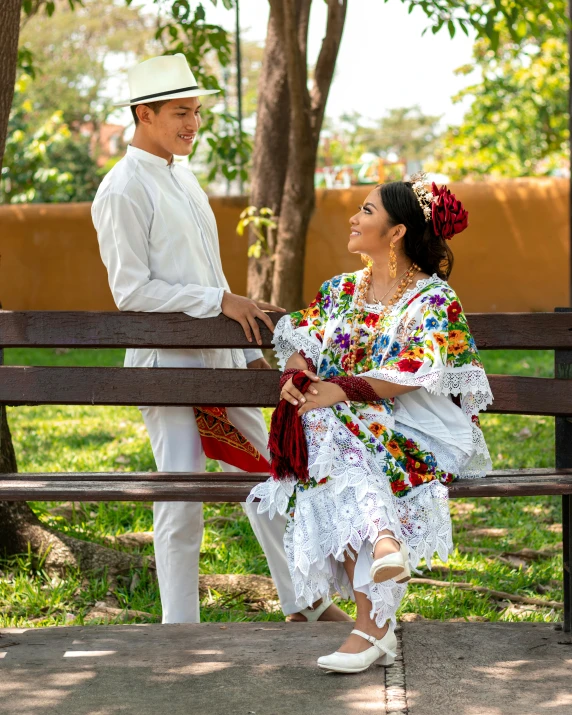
<point x="174" y="129"/>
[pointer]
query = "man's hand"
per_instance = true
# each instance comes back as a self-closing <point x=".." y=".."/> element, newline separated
<point x="245" y="311"/>
<point x="260" y="363"/>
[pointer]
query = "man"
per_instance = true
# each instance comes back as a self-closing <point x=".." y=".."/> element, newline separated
<point x="158" y="239"/>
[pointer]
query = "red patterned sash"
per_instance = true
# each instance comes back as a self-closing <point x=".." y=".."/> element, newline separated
<point x="221" y="440"/>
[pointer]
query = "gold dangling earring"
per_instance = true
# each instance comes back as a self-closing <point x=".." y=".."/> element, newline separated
<point x="366" y="260"/>
<point x="392" y="261"/>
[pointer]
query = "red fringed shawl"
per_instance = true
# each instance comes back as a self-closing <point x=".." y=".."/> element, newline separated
<point x="287" y="442"/>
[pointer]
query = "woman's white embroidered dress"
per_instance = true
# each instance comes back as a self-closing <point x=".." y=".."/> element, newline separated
<point x="382" y="465"/>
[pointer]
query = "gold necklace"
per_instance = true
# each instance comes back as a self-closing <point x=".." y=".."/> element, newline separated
<point x="359" y="312"/>
<point x="378" y="302"/>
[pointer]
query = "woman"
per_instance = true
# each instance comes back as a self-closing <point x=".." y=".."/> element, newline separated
<point x="386" y="380"/>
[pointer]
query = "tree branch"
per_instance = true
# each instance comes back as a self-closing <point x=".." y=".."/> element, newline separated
<point x="303" y="24"/>
<point x="297" y="74"/>
<point x="326" y="63"/>
<point x="497" y="595"/>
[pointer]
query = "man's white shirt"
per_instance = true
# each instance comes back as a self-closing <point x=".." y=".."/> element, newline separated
<point x="159" y="242"/>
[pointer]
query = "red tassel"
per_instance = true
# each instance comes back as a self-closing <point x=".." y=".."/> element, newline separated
<point x="287" y="442"/>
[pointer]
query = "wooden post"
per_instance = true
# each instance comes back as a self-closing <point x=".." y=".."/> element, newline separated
<point x="563" y="371"/>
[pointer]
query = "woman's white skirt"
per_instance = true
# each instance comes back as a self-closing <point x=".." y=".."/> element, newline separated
<point x="349" y="510"/>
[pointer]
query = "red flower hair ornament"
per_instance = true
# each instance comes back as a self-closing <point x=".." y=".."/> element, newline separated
<point x="441" y="207"/>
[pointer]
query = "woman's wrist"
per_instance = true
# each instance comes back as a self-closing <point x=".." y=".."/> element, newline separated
<point x="296" y="361"/>
<point x="355" y="389"/>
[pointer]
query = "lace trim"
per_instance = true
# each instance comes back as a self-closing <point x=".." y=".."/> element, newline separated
<point x="287" y="341"/>
<point x="450" y="381"/>
<point x="349" y="510"/>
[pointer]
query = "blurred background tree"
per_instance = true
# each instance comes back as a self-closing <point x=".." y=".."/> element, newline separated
<point x="56" y="148"/>
<point x="404" y="132"/>
<point x="517" y="124"/>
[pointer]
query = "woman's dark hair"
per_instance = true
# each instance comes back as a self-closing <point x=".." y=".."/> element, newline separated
<point x="431" y="253"/>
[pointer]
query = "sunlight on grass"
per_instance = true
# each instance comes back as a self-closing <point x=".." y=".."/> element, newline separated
<point x="85" y="438"/>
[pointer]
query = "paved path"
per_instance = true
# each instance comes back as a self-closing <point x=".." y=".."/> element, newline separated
<point x="487" y="669"/>
<point x="269" y="669"/>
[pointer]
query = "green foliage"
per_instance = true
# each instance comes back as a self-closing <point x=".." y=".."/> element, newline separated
<point x="67" y="52"/>
<point x="517" y="124"/>
<point x="44" y="163"/>
<point x="67" y="60"/>
<point x="521" y="18"/>
<point x="59" y="102"/>
<point x="518" y="121"/>
<point x="261" y="222"/>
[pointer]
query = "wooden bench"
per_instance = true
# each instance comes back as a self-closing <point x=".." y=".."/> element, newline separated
<point x="256" y="388"/>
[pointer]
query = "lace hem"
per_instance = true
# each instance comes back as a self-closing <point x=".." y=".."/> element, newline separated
<point x="287" y="341"/>
<point x="472" y="381"/>
<point x="326" y="523"/>
<point x="349" y="510"/>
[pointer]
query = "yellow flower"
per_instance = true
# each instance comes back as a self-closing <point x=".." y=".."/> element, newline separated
<point x="440" y="339"/>
<point x="393" y="448"/>
<point x="457" y="347"/>
<point x="416" y="353"/>
<point x="377" y="429"/>
<point x="455" y="335"/>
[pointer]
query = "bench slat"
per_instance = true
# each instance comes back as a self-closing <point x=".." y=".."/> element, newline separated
<point x="243" y="477"/>
<point x="85" y="329"/>
<point x="137" y="386"/>
<point x="225" y="387"/>
<point x="233" y="487"/>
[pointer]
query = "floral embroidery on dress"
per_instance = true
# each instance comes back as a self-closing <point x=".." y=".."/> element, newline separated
<point x="382" y="465"/>
<point x="426" y="335"/>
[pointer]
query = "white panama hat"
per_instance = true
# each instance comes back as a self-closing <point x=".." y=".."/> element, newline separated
<point x="160" y="79"/>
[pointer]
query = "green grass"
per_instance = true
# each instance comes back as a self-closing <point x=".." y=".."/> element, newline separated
<point x="83" y="438"/>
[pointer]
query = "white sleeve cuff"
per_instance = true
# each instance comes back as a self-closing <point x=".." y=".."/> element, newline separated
<point x="250" y="355"/>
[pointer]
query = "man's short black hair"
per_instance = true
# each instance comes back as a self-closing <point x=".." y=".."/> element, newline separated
<point x="155" y="106"/>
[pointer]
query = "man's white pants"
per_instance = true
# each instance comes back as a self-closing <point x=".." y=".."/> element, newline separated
<point x="178" y="526"/>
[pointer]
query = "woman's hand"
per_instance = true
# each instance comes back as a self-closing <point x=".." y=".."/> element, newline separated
<point x="321" y="394"/>
<point x="292" y="395"/>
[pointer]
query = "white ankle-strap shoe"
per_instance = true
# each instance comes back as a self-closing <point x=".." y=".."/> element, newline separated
<point x="313" y="614"/>
<point x="382" y="652"/>
<point x="394" y="565"/>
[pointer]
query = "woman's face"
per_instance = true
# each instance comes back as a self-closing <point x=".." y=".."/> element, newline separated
<point x="370" y="227"/>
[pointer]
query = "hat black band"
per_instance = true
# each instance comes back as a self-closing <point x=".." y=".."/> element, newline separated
<point x="162" y="94"/>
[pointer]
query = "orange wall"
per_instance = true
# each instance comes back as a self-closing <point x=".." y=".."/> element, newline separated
<point x="513" y="257"/>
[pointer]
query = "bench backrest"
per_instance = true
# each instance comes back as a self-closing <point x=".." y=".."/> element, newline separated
<point x="172" y="386"/>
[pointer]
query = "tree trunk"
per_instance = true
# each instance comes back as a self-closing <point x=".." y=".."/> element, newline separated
<point x="270" y="156"/>
<point x="283" y="170"/>
<point x="9" y="33"/>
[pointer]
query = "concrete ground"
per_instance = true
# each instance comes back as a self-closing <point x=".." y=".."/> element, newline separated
<point x="269" y="669"/>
